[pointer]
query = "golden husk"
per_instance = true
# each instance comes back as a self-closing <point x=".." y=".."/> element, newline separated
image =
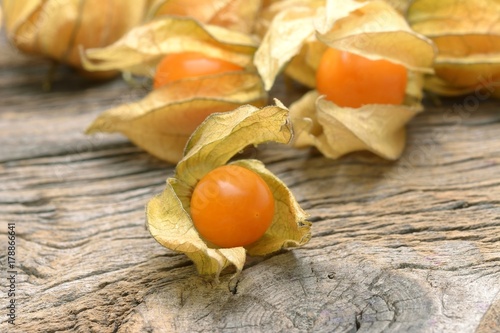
<point x="140" y="50"/>
<point x="162" y="122"/>
<point x="58" y="29"/>
<point x="235" y="15"/>
<point x="467" y="35"/>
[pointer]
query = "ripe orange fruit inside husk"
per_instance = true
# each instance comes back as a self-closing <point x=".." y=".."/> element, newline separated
<point x="350" y="80"/>
<point x="179" y="66"/>
<point x="232" y="206"/>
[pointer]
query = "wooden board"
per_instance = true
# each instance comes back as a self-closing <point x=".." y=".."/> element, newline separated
<point x="406" y="246"/>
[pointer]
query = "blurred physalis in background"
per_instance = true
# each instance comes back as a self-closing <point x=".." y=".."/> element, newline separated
<point x="467" y="35"/>
<point x="365" y="64"/>
<point x="58" y="30"/>
<point x="197" y="68"/>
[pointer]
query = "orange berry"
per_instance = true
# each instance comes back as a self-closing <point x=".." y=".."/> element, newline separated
<point x="350" y="80"/>
<point x="232" y="206"/>
<point x="178" y="66"/>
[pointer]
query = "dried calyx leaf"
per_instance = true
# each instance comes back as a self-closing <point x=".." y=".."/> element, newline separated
<point x="143" y="47"/>
<point x="271" y="8"/>
<point x="467" y="35"/>
<point x="222" y="136"/>
<point x="336" y="130"/>
<point x="284" y="39"/>
<point x="162" y="122"/>
<point x="57" y="29"/>
<point x="299" y="35"/>
<point x="219" y="138"/>
<point x="236" y="15"/>
<point x="289" y="41"/>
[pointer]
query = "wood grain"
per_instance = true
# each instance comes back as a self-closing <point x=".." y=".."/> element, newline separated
<point x="406" y="246"/>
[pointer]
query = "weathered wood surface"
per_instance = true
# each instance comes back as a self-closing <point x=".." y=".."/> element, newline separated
<point x="410" y="246"/>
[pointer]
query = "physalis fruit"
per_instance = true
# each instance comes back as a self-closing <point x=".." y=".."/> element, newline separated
<point x="350" y="80"/>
